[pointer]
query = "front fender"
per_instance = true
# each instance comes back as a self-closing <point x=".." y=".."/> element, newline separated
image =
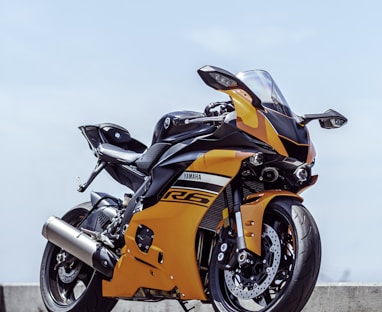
<point x="252" y="214"/>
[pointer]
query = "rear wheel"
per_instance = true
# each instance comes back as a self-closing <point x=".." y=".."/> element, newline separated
<point x="68" y="284"/>
<point x="283" y="278"/>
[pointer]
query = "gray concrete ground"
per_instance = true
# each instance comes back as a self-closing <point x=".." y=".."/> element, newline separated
<point x="332" y="297"/>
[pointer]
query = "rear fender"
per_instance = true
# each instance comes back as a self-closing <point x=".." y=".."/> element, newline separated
<point x="252" y="214"/>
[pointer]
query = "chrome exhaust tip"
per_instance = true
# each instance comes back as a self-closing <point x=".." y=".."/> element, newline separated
<point x="80" y="245"/>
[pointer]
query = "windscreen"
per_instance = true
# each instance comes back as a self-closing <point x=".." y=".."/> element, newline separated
<point x="261" y="83"/>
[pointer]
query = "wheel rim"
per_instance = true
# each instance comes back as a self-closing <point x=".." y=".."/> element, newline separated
<point x="68" y="282"/>
<point x="66" y="278"/>
<point x="245" y="291"/>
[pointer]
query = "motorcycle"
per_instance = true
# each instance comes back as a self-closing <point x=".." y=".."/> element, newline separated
<point x="212" y="210"/>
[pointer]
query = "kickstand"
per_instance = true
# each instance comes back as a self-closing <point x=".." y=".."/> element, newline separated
<point x="183" y="304"/>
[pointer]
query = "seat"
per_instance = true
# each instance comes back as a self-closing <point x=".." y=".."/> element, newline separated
<point x="151" y="156"/>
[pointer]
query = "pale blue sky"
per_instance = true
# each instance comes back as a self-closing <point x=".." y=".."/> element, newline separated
<point x="68" y="63"/>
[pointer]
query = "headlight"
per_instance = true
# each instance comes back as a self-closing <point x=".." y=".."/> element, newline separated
<point x="224" y="80"/>
<point x="302" y="174"/>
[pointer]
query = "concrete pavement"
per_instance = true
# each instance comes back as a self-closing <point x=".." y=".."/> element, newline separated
<point x="331" y="297"/>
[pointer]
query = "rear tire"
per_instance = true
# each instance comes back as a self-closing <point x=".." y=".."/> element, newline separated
<point x="283" y="278"/>
<point x="74" y="286"/>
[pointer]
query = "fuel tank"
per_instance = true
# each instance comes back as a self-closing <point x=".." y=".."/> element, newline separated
<point x="171" y="127"/>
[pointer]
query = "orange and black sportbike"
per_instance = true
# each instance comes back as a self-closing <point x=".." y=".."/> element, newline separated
<point x="212" y="209"/>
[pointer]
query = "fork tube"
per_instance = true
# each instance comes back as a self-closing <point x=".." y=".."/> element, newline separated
<point x="237" y="196"/>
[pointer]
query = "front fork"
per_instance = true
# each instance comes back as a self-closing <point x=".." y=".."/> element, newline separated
<point x="248" y="217"/>
<point x="232" y="243"/>
<point x="241" y="253"/>
<point x="237" y="201"/>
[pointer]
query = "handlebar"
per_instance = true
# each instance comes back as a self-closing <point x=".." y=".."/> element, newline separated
<point x="214" y="112"/>
<point x="223" y="107"/>
<point x="205" y="119"/>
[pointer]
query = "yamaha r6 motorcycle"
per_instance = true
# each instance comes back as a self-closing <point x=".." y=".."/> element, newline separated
<point x="214" y="211"/>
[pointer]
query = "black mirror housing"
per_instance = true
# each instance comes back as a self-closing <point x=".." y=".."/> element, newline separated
<point x="328" y="120"/>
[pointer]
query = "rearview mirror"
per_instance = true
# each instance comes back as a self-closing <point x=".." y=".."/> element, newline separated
<point x="328" y="120"/>
<point x="332" y="123"/>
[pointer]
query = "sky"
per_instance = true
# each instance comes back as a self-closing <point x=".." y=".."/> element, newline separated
<point x="69" y="63"/>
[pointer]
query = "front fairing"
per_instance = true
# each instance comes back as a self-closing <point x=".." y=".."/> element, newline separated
<point x="274" y="123"/>
<point x="295" y="138"/>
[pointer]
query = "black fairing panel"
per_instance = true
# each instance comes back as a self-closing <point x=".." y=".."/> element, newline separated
<point x="126" y="177"/>
<point x="119" y="136"/>
<point x="293" y="136"/>
<point x="115" y="134"/>
<point x="112" y="134"/>
<point x="103" y="211"/>
<point x="226" y="137"/>
<point x="288" y="127"/>
<point x="175" y="160"/>
<point x="294" y="150"/>
<point x="163" y="177"/>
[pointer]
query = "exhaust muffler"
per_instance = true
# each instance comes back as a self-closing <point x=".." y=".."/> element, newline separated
<point x="80" y="245"/>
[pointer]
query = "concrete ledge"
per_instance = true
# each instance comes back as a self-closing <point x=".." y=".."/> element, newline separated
<point x="346" y="297"/>
<point x="331" y="297"/>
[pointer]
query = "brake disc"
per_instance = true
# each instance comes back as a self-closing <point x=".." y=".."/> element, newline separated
<point x="246" y="287"/>
<point x="68" y="274"/>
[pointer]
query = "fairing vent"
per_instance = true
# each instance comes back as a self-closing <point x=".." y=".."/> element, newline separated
<point x="214" y="214"/>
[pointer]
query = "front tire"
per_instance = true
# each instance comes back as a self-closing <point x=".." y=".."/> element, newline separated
<point x="283" y="278"/>
<point x="72" y="285"/>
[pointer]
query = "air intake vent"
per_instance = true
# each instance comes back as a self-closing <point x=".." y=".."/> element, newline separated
<point x="214" y="213"/>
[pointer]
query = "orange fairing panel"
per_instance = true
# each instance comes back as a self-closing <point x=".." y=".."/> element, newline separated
<point x="252" y="121"/>
<point x="221" y="162"/>
<point x="252" y="217"/>
<point x="170" y="263"/>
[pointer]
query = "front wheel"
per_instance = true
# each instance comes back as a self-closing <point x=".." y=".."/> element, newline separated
<point x="68" y="284"/>
<point x="283" y="278"/>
